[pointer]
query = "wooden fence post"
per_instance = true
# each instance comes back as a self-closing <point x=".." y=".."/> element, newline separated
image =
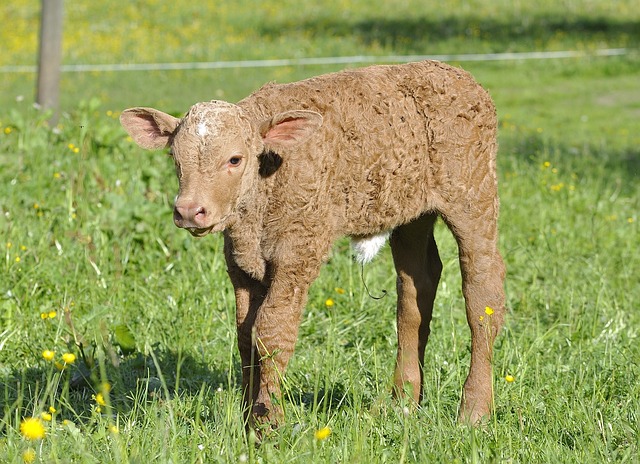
<point x="50" y="57"/>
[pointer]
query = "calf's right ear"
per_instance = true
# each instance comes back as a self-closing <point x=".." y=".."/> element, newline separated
<point x="149" y="128"/>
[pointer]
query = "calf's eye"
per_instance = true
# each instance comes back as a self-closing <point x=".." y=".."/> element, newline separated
<point x="234" y="161"/>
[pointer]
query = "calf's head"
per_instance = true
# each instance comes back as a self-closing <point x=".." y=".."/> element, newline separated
<point x="215" y="148"/>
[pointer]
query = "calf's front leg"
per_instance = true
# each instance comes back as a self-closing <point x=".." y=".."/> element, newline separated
<point x="267" y="336"/>
<point x="250" y="294"/>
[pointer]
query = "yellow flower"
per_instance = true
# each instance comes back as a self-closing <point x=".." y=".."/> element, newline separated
<point x="509" y="378"/>
<point x="9" y="244"/>
<point x="69" y="358"/>
<point x="100" y="399"/>
<point x="546" y="164"/>
<point x="52" y="314"/>
<point x="7" y="130"/>
<point x="52" y="410"/>
<point x="48" y="355"/>
<point x="329" y="302"/>
<point x="113" y="429"/>
<point x="29" y="455"/>
<point x="340" y="291"/>
<point x="32" y="428"/>
<point x="46" y="416"/>
<point x="323" y="433"/>
<point x="36" y="206"/>
<point x="23" y="248"/>
<point x="56" y="175"/>
<point x="17" y="259"/>
<point x="488" y="311"/>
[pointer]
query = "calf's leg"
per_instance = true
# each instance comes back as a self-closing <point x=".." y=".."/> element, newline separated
<point x="250" y="295"/>
<point x="418" y="266"/>
<point x="483" y="275"/>
<point x="276" y="333"/>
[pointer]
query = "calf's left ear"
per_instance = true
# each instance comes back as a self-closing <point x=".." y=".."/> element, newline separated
<point x="290" y="128"/>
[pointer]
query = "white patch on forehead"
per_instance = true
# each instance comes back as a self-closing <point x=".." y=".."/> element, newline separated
<point x="202" y="129"/>
<point x="207" y="117"/>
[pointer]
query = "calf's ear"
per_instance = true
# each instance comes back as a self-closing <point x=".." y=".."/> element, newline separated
<point x="289" y="128"/>
<point x="149" y="128"/>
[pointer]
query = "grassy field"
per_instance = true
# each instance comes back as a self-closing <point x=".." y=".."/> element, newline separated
<point x="92" y="265"/>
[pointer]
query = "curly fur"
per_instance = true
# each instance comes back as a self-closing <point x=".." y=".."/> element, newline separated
<point x="292" y="167"/>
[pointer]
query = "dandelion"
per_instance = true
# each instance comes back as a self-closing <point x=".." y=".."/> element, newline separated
<point x="99" y="399"/>
<point x="48" y="355"/>
<point x="52" y="314"/>
<point x="29" y="455"/>
<point x="56" y="175"/>
<point x="69" y="358"/>
<point x="52" y="410"/>
<point x="113" y="429"/>
<point x="46" y="416"/>
<point x="32" y="428"/>
<point x="8" y="130"/>
<point x="488" y="310"/>
<point x="36" y="206"/>
<point x="322" y="434"/>
<point x="509" y="378"/>
<point x="340" y="291"/>
<point x="546" y="164"/>
<point x="329" y="303"/>
<point x="18" y="259"/>
<point x="23" y="248"/>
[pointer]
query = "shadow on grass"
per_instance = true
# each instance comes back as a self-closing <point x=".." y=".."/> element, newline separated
<point x="135" y="380"/>
<point x="411" y="34"/>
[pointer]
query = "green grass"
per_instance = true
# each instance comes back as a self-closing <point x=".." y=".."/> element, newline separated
<point x="86" y="231"/>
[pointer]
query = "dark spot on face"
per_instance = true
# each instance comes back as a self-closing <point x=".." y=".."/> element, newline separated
<point x="270" y="162"/>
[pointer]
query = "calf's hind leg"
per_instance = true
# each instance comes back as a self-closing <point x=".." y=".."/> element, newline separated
<point x="418" y="266"/>
<point x="483" y="275"/>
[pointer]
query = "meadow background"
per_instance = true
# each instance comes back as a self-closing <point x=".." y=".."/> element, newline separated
<point x="93" y="266"/>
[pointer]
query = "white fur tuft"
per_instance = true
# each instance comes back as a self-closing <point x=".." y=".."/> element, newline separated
<point x="366" y="248"/>
<point x="202" y="128"/>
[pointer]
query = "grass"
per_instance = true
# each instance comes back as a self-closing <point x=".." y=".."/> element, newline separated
<point x="86" y="233"/>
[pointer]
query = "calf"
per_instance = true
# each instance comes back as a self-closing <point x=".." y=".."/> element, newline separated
<point x="364" y="153"/>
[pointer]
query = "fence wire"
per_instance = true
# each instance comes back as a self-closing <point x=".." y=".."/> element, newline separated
<point x="361" y="59"/>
